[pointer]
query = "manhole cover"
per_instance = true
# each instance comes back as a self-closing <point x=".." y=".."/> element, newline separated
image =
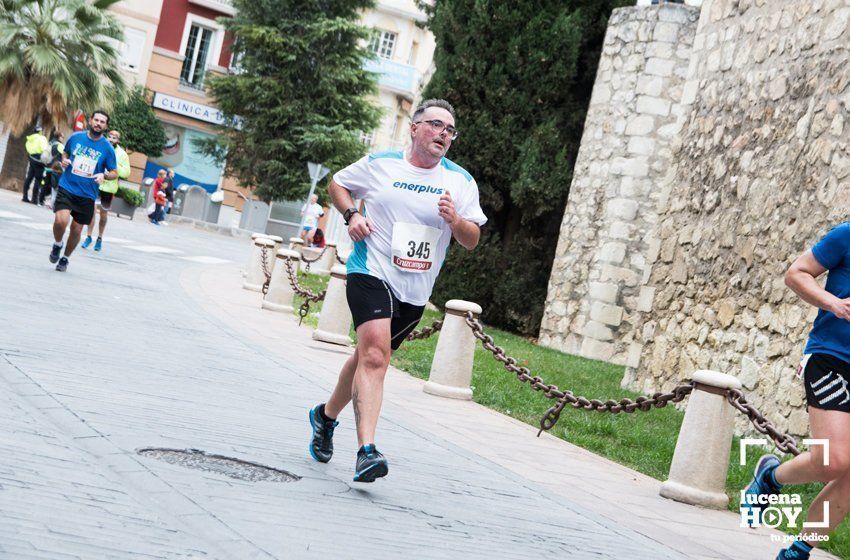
<point x="228" y="466"/>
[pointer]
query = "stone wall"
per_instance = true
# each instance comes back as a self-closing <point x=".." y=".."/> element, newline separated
<point x="761" y="171"/>
<point x="598" y="285"/>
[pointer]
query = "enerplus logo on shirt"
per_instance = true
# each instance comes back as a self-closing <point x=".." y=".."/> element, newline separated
<point x="418" y="188"/>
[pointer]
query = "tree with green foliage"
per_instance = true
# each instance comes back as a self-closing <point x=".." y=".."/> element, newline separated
<point x="298" y="94"/>
<point x="56" y="56"/>
<point x="519" y="75"/>
<point x="140" y="130"/>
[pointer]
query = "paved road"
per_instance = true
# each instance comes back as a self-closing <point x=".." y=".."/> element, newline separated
<point x="130" y="349"/>
<point x="112" y="356"/>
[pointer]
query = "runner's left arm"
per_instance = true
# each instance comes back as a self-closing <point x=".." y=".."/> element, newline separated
<point x="466" y="232"/>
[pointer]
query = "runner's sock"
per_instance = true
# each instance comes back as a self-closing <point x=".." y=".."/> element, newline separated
<point x="325" y="417"/>
<point x="57" y="244"/>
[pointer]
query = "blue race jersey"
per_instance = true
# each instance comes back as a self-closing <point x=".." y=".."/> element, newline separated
<point x="831" y="335"/>
<point x="88" y="158"/>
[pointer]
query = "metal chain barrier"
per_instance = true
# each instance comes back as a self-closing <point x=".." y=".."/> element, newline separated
<point x="425" y="332"/>
<point x="643" y="403"/>
<point x="265" y="261"/>
<point x="311" y="261"/>
<point x="303" y="292"/>
<point x="784" y="442"/>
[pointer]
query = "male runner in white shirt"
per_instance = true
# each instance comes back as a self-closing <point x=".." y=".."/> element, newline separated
<point x="414" y="203"/>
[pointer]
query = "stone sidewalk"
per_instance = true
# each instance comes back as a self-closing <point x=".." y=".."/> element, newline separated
<point x="141" y="347"/>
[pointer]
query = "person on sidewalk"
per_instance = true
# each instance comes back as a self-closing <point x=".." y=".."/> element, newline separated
<point x="311" y="212"/>
<point x="415" y="202"/>
<point x="158" y="215"/>
<point x="108" y="190"/>
<point x="825" y="370"/>
<point x="36" y="146"/>
<point x="54" y="169"/>
<point x="88" y="160"/>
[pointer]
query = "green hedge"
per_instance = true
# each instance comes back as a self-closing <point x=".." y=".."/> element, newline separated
<point x="130" y="196"/>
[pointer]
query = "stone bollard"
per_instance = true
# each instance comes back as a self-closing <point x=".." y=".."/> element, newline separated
<point x="701" y="459"/>
<point x="310" y="253"/>
<point x="296" y="244"/>
<point x="335" y="318"/>
<point x="255" y="277"/>
<point x="254" y="237"/>
<point x="451" y="369"/>
<point x="280" y="294"/>
<point x="278" y="242"/>
<point x="327" y="262"/>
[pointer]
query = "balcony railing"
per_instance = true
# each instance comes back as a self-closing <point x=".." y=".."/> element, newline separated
<point x="397" y="77"/>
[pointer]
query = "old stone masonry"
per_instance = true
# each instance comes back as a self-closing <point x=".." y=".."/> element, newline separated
<point x="715" y="151"/>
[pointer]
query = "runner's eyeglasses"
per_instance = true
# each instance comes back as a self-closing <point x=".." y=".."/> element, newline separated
<point x="439" y="126"/>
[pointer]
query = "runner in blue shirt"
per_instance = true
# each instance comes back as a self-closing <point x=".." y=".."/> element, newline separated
<point x="88" y="161"/>
<point x="825" y="369"/>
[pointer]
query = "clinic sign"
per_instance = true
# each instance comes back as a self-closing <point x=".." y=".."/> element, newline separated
<point x="187" y="108"/>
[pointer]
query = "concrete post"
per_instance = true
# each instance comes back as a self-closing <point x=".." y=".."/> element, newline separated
<point x="255" y="277"/>
<point x="280" y="294"/>
<point x="327" y="262"/>
<point x="254" y="237"/>
<point x="451" y="369"/>
<point x="296" y="244"/>
<point x="701" y="459"/>
<point x="335" y="318"/>
<point x="311" y="253"/>
<point x="278" y="242"/>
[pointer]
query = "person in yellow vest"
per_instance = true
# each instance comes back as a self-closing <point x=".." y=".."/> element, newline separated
<point x="108" y="190"/>
<point x="36" y="145"/>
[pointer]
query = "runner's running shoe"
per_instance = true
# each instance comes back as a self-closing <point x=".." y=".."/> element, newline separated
<point x="98" y="244"/>
<point x="63" y="264"/>
<point x="54" y="253"/>
<point x="763" y="484"/>
<point x="86" y="242"/>
<point x="370" y="464"/>
<point x="322" y="445"/>
<point x="799" y="550"/>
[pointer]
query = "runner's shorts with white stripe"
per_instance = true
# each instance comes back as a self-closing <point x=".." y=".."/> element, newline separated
<point x="826" y="379"/>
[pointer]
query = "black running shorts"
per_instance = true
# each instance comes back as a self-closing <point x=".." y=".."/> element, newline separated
<point x="826" y="379"/>
<point x="371" y="298"/>
<point x="106" y="200"/>
<point x="82" y="208"/>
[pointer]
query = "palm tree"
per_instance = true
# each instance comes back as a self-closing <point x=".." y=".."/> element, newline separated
<point x="56" y="56"/>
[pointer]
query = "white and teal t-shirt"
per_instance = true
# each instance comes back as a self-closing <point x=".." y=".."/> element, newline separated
<point x="410" y="240"/>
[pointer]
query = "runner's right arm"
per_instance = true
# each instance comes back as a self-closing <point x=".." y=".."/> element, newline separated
<point x="802" y="276"/>
<point x="359" y="227"/>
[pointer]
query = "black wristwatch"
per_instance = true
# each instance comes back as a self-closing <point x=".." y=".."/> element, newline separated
<point x="346" y="216"/>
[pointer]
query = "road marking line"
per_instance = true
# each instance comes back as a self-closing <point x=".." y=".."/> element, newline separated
<point x="13" y="215"/>
<point x="203" y="259"/>
<point x="37" y="225"/>
<point x="154" y="249"/>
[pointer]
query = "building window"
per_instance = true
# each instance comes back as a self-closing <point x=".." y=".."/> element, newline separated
<point x="383" y="43"/>
<point x="132" y="49"/>
<point x="198" y="48"/>
<point x="367" y="138"/>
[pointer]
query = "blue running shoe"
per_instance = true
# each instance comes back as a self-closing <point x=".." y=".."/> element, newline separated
<point x="322" y="444"/>
<point x="799" y="550"/>
<point x="86" y="242"/>
<point x="370" y="464"/>
<point x="98" y="244"/>
<point x="763" y="484"/>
